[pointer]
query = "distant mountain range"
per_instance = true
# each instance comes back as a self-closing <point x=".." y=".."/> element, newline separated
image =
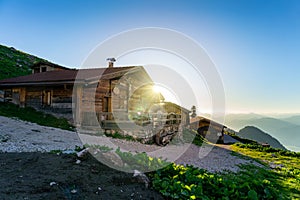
<point x="286" y="130"/>
<point x="253" y="133"/>
<point x="293" y="119"/>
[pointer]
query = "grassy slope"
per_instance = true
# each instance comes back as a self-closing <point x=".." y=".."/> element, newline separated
<point x="31" y="115"/>
<point x="286" y="172"/>
<point x="15" y="63"/>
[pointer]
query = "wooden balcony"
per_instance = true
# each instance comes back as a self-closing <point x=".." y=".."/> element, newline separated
<point x="127" y="121"/>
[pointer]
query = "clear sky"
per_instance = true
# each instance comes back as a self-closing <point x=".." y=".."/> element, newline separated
<point x="255" y="44"/>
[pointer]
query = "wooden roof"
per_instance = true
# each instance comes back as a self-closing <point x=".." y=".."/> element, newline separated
<point x="203" y="119"/>
<point x="66" y="76"/>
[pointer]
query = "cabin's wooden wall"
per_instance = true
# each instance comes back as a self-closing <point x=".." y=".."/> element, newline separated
<point x="33" y="97"/>
<point x="55" y="98"/>
<point x="117" y="96"/>
<point x="15" y="96"/>
<point x="141" y="95"/>
<point x="62" y="98"/>
<point x="93" y="102"/>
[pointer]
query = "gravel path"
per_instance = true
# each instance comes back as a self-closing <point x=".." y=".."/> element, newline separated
<point x="20" y="136"/>
<point x="24" y="136"/>
<point x="214" y="158"/>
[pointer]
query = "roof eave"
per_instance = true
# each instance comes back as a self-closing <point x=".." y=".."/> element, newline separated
<point x="43" y="83"/>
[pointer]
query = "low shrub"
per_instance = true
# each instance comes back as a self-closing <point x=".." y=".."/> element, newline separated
<point x="141" y="161"/>
<point x="180" y="182"/>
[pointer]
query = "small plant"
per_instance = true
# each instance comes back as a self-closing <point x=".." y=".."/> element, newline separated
<point x="117" y="135"/>
<point x="141" y="161"/>
<point x="79" y="148"/>
<point x="56" y="151"/>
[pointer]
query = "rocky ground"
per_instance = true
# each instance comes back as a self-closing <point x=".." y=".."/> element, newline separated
<point x="29" y="171"/>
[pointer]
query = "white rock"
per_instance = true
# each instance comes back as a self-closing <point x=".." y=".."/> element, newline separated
<point x="78" y="162"/>
<point x="82" y="153"/>
<point x="141" y="177"/>
<point x="74" y="191"/>
<point x="53" y="183"/>
<point x="96" y="151"/>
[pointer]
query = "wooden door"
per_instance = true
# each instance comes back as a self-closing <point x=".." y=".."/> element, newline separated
<point x="107" y="107"/>
<point x="46" y="98"/>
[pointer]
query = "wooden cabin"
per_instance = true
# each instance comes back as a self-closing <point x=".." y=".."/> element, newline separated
<point x="106" y="98"/>
<point x="209" y="129"/>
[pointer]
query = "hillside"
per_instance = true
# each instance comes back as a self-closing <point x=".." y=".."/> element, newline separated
<point x="253" y="133"/>
<point x="15" y="63"/>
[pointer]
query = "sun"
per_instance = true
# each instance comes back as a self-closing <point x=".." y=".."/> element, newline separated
<point x="157" y="89"/>
<point x="168" y="94"/>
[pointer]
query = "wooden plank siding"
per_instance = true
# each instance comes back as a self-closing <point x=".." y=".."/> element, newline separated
<point x="109" y="100"/>
<point x="55" y="98"/>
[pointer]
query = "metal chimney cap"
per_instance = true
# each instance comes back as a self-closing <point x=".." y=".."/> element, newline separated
<point x="111" y="59"/>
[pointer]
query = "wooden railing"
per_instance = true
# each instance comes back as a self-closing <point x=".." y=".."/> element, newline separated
<point x="108" y="120"/>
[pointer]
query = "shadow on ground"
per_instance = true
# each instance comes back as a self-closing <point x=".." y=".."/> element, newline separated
<point x="28" y="176"/>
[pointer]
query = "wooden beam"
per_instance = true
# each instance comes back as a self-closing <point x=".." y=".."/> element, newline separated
<point x="22" y="97"/>
<point x="78" y="104"/>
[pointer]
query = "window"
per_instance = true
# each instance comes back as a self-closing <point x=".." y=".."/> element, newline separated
<point x="44" y="69"/>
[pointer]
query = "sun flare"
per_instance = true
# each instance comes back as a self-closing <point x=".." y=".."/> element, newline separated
<point x="168" y="94"/>
<point x="158" y="89"/>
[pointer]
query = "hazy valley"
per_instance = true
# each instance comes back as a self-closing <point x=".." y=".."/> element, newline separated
<point x="285" y="128"/>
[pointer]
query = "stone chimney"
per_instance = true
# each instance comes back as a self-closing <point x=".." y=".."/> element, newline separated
<point x="111" y="62"/>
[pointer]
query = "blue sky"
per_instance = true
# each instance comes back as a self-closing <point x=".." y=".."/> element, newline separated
<point x="255" y="44"/>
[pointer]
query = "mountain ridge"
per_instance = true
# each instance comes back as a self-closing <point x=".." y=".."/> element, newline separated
<point x="254" y="133"/>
